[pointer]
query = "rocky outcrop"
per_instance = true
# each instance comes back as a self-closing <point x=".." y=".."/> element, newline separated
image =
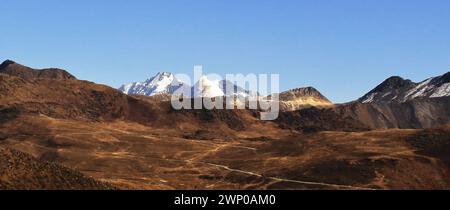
<point x="300" y="98"/>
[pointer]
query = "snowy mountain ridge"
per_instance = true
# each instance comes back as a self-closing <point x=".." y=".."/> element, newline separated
<point x="167" y="83"/>
<point x="161" y="83"/>
<point x="400" y="90"/>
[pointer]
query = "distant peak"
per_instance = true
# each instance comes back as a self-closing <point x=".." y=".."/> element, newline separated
<point x="6" y="63"/>
<point x="309" y="88"/>
<point x="159" y="76"/>
<point x="395" y="78"/>
<point x="393" y="82"/>
<point x="445" y="78"/>
<point x="300" y="98"/>
<point x="302" y="92"/>
<point x="15" y="69"/>
<point x="164" y="73"/>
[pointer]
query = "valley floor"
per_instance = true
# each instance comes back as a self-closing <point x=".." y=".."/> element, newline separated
<point x="132" y="156"/>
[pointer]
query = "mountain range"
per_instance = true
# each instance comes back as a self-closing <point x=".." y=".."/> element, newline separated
<point x="395" y="103"/>
<point x="59" y="132"/>
<point x="161" y="83"/>
<point x="167" y="83"/>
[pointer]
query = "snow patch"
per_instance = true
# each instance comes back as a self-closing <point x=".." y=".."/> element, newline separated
<point x="418" y="91"/>
<point x="369" y="98"/>
<point x="386" y="94"/>
<point x="442" y="91"/>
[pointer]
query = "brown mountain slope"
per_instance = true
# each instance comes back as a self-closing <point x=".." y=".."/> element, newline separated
<point x="62" y="98"/>
<point x="86" y="101"/>
<point x="314" y="119"/>
<point x="12" y="68"/>
<point x="401" y="103"/>
<point x="21" y="171"/>
<point x="82" y="100"/>
<point x="416" y="113"/>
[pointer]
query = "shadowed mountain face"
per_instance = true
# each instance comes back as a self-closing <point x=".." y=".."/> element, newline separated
<point x="14" y="69"/>
<point x="141" y="142"/>
<point x="417" y="113"/>
<point x="400" y="103"/>
<point x="388" y="90"/>
<point x="313" y="119"/>
<point x="397" y="89"/>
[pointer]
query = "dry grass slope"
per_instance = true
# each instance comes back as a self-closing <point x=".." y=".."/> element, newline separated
<point x="21" y="171"/>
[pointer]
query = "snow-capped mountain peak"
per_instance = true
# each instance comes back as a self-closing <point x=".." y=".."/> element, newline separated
<point x="161" y="83"/>
<point x="213" y="88"/>
<point x="167" y="83"/>
<point x="207" y="88"/>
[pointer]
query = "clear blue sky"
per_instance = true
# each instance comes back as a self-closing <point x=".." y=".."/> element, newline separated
<point x="342" y="47"/>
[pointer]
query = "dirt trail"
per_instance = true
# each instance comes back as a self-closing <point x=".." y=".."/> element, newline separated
<point x="289" y="180"/>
